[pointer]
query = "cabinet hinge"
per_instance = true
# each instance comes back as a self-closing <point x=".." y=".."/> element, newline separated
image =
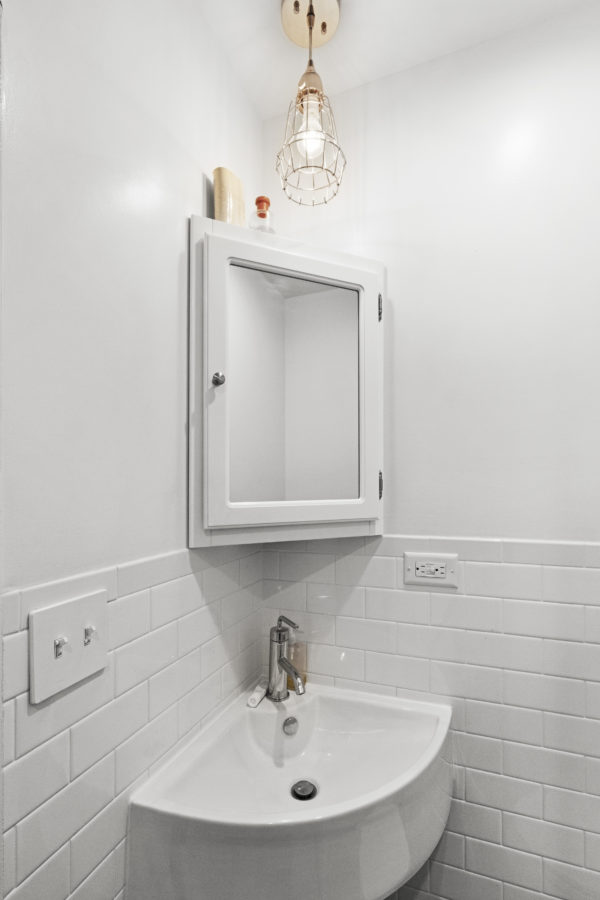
<point x="380" y="308"/>
<point x="380" y="484"/>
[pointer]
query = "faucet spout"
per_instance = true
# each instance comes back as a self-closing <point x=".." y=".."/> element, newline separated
<point x="284" y="663"/>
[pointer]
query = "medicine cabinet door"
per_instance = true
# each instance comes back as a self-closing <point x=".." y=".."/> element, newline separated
<point x="292" y="365"/>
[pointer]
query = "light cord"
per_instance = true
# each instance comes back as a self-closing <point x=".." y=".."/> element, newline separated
<point x="310" y="18"/>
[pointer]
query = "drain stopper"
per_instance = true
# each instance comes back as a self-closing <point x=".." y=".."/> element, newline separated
<point x="304" y="790"/>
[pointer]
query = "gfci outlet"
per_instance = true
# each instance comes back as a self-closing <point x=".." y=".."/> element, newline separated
<point x="436" y="569"/>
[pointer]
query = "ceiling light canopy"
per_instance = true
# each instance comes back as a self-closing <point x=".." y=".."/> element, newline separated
<point x="311" y="162"/>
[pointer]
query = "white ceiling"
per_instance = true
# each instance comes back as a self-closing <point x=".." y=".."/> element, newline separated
<point x="375" y="38"/>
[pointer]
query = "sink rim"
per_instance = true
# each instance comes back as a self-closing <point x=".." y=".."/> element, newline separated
<point x="153" y="793"/>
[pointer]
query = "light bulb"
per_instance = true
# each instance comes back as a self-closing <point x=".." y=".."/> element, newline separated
<point x="312" y="144"/>
<point x="312" y="133"/>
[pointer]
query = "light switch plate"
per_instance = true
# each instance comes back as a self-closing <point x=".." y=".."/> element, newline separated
<point x="59" y="655"/>
<point x="431" y="569"/>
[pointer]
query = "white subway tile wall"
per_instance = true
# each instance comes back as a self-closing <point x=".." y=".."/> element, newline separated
<point x="185" y="636"/>
<point x="516" y="651"/>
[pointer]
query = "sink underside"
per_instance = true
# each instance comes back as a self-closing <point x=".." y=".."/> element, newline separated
<point x="220" y="822"/>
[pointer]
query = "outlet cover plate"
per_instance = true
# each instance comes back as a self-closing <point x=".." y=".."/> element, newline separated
<point x="49" y="673"/>
<point x="438" y="570"/>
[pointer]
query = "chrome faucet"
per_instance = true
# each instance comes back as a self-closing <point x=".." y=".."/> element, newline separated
<point x="279" y="665"/>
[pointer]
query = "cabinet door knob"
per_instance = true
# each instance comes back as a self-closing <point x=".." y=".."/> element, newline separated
<point x="218" y="378"/>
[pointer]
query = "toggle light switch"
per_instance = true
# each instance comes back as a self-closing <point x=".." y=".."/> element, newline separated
<point x="67" y="642"/>
<point x="88" y="633"/>
<point x="59" y="645"/>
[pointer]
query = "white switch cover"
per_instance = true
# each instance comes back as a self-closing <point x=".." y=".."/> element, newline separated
<point x="432" y="569"/>
<point x="67" y="642"/>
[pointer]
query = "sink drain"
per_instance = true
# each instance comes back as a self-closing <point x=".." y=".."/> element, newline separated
<point x="304" y="790"/>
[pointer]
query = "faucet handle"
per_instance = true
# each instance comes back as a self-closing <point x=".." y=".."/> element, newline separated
<point x="287" y="622"/>
<point x="280" y="633"/>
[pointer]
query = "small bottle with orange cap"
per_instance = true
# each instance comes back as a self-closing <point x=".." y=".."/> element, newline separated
<point x="261" y="217"/>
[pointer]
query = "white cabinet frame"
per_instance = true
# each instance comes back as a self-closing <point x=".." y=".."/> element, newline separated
<point x="213" y="518"/>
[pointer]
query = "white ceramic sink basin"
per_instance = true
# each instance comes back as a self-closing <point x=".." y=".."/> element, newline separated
<point x="219" y="821"/>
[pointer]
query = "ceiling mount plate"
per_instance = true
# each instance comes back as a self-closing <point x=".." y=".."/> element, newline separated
<point x="293" y="19"/>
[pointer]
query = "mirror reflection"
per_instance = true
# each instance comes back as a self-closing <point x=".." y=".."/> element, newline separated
<point x="293" y="389"/>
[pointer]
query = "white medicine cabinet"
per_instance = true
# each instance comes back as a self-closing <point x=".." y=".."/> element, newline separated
<point x="285" y="389"/>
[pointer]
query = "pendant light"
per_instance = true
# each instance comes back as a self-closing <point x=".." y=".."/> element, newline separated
<point x="311" y="162"/>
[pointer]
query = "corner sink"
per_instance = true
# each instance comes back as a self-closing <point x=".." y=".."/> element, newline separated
<point x="220" y="820"/>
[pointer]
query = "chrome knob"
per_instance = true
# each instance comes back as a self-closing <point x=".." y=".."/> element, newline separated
<point x="218" y="378"/>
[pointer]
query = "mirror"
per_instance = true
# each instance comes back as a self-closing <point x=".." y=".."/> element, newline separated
<point x="293" y="387"/>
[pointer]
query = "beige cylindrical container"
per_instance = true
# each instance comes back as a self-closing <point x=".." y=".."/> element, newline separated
<point x="229" y="197"/>
<point x="297" y="655"/>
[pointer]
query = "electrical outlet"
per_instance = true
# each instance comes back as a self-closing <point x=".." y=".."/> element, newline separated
<point x="434" y="569"/>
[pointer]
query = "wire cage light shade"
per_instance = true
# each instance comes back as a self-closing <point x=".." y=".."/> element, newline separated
<point x="311" y="162"/>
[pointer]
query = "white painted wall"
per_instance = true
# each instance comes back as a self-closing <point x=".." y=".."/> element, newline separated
<point x="114" y="111"/>
<point x="475" y="178"/>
